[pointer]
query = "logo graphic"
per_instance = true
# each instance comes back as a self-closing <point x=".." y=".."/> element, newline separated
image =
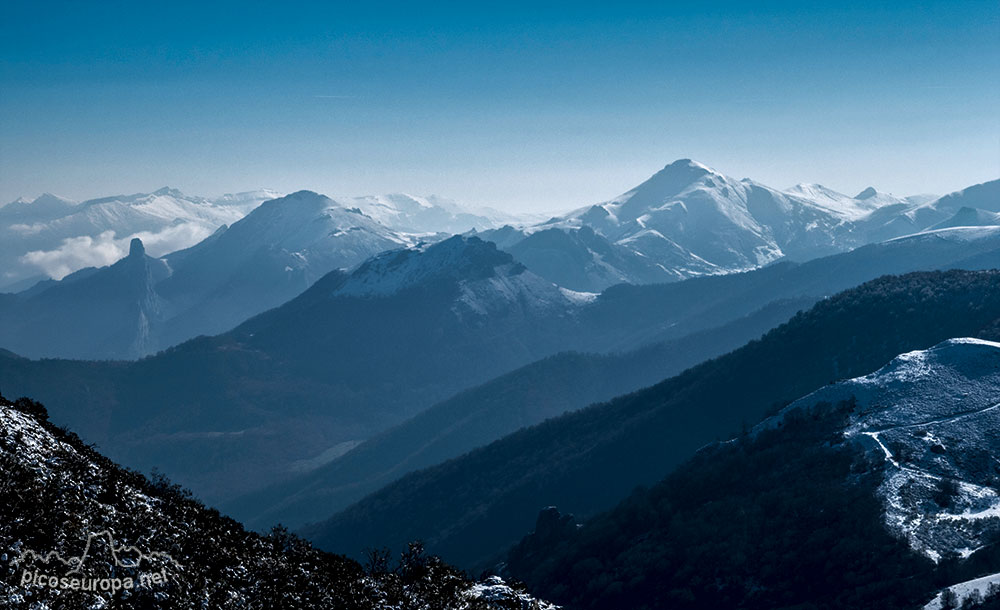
<point x="75" y="579"/>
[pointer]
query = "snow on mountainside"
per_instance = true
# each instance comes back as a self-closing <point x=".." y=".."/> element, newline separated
<point x="689" y="220"/>
<point x="432" y="214"/>
<point x="970" y="217"/>
<point x="56" y="237"/>
<point x="52" y="237"/>
<point x="488" y="279"/>
<point x="59" y="495"/>
<point x="270" y="256"/>
<point x="934" y="417"/>
<point x="731" y="224"/>
<point x="839" y="203"/>
<point x="313" y="225"/>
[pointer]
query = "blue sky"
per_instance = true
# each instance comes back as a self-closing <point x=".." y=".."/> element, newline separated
<point x="519" y="106"/>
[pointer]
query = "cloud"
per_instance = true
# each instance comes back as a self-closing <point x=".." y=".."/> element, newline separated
<point x="75" y="253"/>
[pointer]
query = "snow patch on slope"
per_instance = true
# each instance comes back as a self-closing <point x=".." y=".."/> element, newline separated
<point x="934" y="417"/>
<point x="964" y="590"/>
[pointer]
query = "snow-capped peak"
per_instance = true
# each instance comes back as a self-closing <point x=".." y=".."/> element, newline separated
<point x="308" y="222"/>
<point x="456" y="258"/>
<point x="874" y="198"/>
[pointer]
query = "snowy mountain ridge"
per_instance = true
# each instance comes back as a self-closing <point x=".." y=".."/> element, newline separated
<point x="689" y="220"/>
<point x="488" y="279"/>
<point x="50" y="237"/>
<point x="53" y="237"/>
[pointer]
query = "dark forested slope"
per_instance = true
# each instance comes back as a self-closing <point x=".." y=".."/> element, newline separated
<point x="471" y="508"/>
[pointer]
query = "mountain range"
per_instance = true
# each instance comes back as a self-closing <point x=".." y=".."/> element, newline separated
<point x="260" y="261"/>
<point x="335" y="363"/>
<point x="685" y="221"/>
<point x="689" y="220"/>
<point x="471" y="508"/>
<point x="362" y="351"/>
<point x="354" y="354"/>
<point x="702" y="318"/>
<point x="51" y="237"/>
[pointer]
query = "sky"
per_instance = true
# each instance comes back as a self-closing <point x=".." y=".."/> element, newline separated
<point x="519" y="106"/>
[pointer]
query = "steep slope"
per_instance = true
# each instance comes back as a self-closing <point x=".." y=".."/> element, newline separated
<point x="476" y="417"/>
<point x="108" y="313"/>
<point x="970" y="217"/>
<point x="353" y="355"/>
<point x="56" y="238"/>
<point x="132" y="543"/>
<point x="550" y="387"/>
<point x="288" y="375"/>
<point x="904" y="453"/>
<point x="689" y="220"/>
<point x="263" y="260"/>
<point x="470" y="508"/>
<point x="580" y="259"/>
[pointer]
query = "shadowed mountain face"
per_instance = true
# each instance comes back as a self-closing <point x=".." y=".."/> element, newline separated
<point x="354" y="354"/>
<point x="261" y="261"/>
<point x="685" y="221"/>
<point x="264" y="260"/>
<point x="360" y="352"/>
<point x="471" y="508"/>
<point x="872" y="492"/>
<point x="111" y="311"/>
<point x="476" y="417"/>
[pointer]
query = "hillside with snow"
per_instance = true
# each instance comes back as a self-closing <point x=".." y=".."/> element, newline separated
<point x="877" y="491"/>
<point x="136" y="543"/>
<point x="934" y="417"/>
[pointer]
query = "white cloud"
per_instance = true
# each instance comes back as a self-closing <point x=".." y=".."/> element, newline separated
<point x="75" y="253"/>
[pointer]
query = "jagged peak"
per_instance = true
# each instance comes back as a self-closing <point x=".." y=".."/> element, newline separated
<point x="868" y="193"/>
<point x="136" y="249"/>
